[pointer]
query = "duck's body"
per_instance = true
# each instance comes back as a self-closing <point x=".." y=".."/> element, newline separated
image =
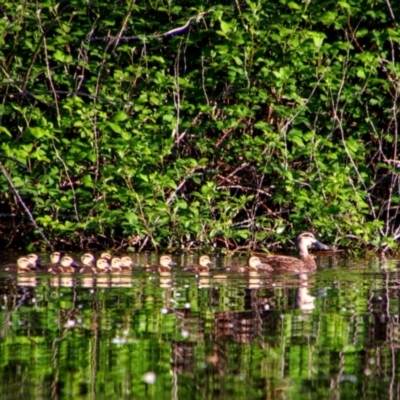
<point x="66" y="265"/>
<point x="253" y="266"/>
<point x="23" y="265"/>
<point x="165" y="263"/>
<point x="305" y="262"/>
<point x="202" y="268"/>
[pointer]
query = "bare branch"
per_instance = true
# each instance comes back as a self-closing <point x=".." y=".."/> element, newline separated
<point x="172" y="32"/>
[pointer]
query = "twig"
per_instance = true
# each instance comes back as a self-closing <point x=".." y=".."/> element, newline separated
<point x="172" y="32"/>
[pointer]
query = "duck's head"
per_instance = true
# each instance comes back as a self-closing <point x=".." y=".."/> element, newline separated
<point x="254" y="263"/>
<point x="127" y="261"/>
<point x="106" y="255"/>
<point x="116" y="263"/>
<point x="102" y="264"/>
<point x="34" y="259"/>
<point x="24" y="264"/>
<point x="204" y="261"/>
<point x="68" y="261"/>
<point x="55" y="257"/>
<point x="165" y="260"/>
<point x="87" y="259"/>
<point x="307" y="239"/>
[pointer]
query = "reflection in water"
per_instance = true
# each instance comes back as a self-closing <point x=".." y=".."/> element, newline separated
<point x="332" y="334"/>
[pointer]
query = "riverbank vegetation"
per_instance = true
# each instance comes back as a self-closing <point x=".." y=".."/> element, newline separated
<point x="192" y="123"/>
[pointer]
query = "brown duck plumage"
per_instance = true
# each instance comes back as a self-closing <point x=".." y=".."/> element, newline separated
<point x="305" y="262"/>
<point x="66" y="265"/>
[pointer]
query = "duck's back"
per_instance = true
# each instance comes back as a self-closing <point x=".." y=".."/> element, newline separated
<point x="287" y="264"/>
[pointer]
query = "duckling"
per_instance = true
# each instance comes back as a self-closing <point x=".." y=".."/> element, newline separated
<point x="106" y="255"/>
<point x="23" y="265"/>
<point x="165" y="263"/>
<point x="203" y="268"/>
<point x="128" y="262"/>
<point x="122" y="265"/>
<point x="87" y="260"/>
<point x="102" y="266"/>
<point x="55" y="257"/>
<point x="34" y="260"/>
<point x="116" y="264"/>
<point x="66" y="265"/>
<point x="252" y="267"/>
<point x="305" y="262"/>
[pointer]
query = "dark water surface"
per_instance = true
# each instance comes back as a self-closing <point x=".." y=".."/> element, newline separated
<point x="331" y="335"/>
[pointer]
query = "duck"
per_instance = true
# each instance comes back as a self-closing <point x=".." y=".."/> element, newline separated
<point x="106" y="255"/>
<point x="203" y="267"/>
<point x="253" y="266"/>
<point x="66" y="265"/>
<point x="165" y="263"/>
<point x="55" y="257"/>
<point x="34" y="260"/>
<point x="121" y="265"/>
<point x="101" y="266"/>
<point x="88" y="260"/>
<point x="22" y="265"/>
<point x="305" y="262"/>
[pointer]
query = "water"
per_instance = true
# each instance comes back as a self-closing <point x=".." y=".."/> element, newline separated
<point x="331" y="335"/>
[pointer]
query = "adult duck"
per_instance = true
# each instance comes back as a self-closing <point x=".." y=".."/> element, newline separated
<point x="165" y="263"/>
<point x="305" y="262"/>
<point x="202" y="268"/>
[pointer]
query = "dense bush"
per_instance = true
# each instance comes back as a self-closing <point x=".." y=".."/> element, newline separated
<point x="253" y="120"/>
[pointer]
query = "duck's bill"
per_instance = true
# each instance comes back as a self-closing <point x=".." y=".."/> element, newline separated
<point x="320" y="245"/>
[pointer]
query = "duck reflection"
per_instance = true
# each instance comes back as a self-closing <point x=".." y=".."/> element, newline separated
<point x="304" y="301"/>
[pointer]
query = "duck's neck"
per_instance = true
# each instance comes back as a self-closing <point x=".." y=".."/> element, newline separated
<point x="303" y="253"/>
<point x="307" y="259"/>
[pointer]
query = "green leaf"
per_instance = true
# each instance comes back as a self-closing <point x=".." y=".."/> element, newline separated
<point x="116" y="128"/>
<point x="225" y="27"/>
